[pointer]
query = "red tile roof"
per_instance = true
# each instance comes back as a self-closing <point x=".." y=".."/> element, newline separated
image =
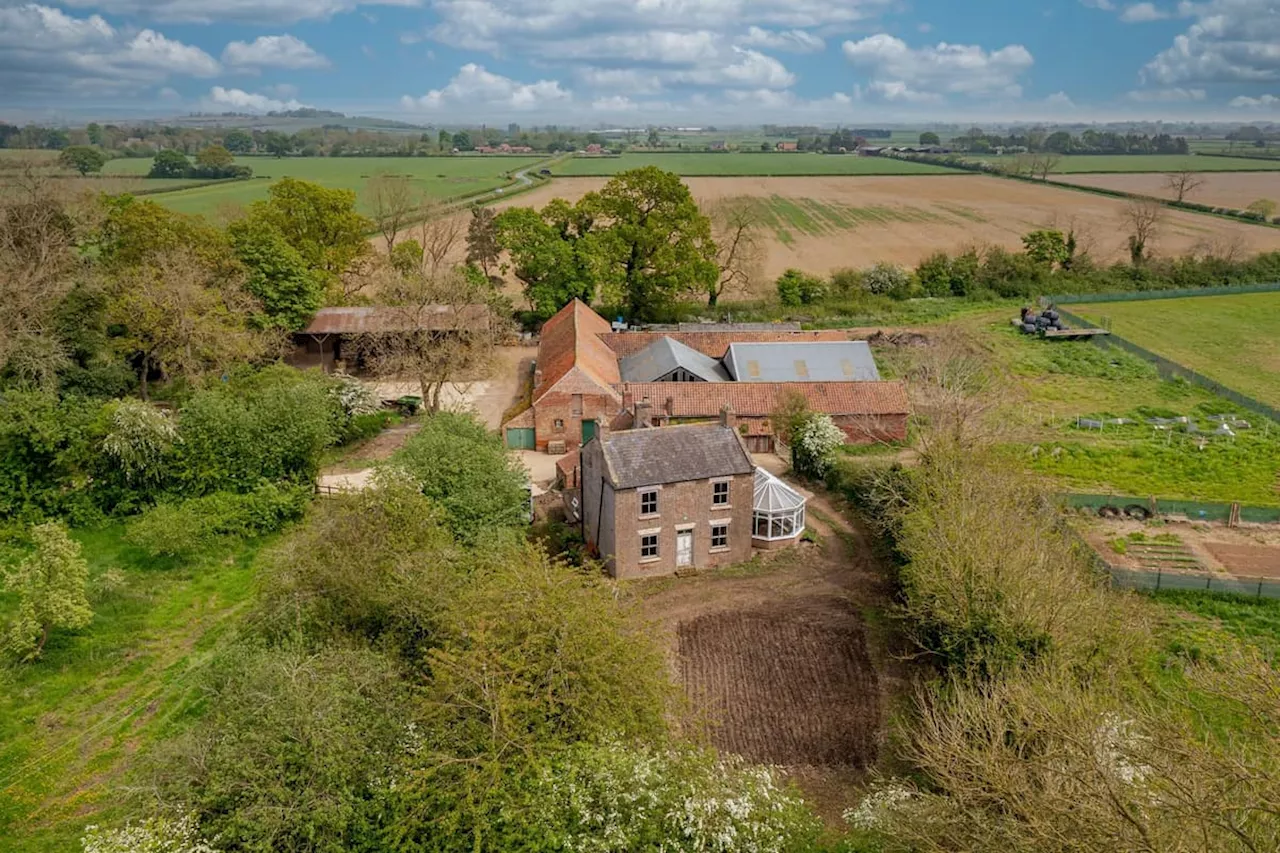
<point x="705" y="399"/>
<point x="570" y="342"/>
<point x="714" y="344"/>
<point x="354" y="321"/>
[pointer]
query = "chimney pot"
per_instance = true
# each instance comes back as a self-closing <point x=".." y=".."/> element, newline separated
<point x="727" y="418"/>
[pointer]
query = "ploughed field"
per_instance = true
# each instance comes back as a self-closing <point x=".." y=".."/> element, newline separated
<point x="1234" y="190"/>
<point x="747" y="163"/>
<point x="819" y="224"/>
<point x="1082" y="163"/>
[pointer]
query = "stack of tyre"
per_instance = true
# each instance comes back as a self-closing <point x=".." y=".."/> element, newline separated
<point x="1038" y="322"/>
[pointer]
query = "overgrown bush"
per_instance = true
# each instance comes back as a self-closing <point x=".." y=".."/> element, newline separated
<point x="814" y="445"/>
<point x="798" y="288"/>
<point x="186" y="528"/>
<point x="466" y="471"/>
<point x="888" y="280"/>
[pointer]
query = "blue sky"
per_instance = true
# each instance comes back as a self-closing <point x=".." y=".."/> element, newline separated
<point x="672" y="61"/>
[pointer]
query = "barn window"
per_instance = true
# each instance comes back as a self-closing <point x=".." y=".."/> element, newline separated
<point x="577" y="404"/>
<point x="649" y="547"/>
<point x="559" y="425"/>
<point x="802" y="369"/>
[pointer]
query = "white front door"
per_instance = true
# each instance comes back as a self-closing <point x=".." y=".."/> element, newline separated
<point x="684" y="548"/>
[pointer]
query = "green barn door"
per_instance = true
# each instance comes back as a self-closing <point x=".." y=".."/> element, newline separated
<point x="588" y="431"/>
<point x="519" y="438"/>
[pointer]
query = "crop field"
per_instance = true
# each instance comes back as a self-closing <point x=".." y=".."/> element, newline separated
<point x="1235" y="190"/>
<point x="70" y="722"/>
<point x="1045" y="388"/>
<point x="436" y="177"/>
<point x="820" y="224"/>
<point x="784" y="687"/>
<point x="1234" y="339"/>
<point x="1081" y="163"/>
<point x="749" y="164"/>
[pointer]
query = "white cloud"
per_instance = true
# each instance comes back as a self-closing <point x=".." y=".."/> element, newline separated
<point x="46" y="51"/>
<point x="1166" y="96"/>
<point x="474" y="88"/>
<point x="1104" y="5"/>
<point x="283" y="51"/>
<point x="798" y="41"/>
<point x="212" y="11"/>
<point x="629" y="81"/>
<point x="903" y="73"/>
<point x="897" y="91"/>
<point x="614" y="104"/>
<point x="1231" y="41"/>
<point x="1244" y="102"/>
<point x="238" y="100"/>
<point x="1141" y="13"/>
<point x="749" y="69"/>
<point x="1061" y="100"/>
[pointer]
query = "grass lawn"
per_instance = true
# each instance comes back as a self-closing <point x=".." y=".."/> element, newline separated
<point x="1048" y="385"/>
<point x="1079" y="163"/>
<point x="1200" y="615"/>
<point x="748" y="164"/>
<point x="70" y="722"/>
<point x="437" y="177"/>
<point x="1233" y="339"/>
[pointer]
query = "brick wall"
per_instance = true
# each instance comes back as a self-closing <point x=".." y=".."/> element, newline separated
<point x="557" y="406"/>
<point x="615" y="533"/>
<point x="869" y="429"/>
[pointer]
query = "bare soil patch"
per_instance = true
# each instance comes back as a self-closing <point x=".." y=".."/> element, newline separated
<point x="904" y="219"/>
<point x="1247" y="551"/>
<point x="785" y="685"/>
<point x="1236" y="190"/>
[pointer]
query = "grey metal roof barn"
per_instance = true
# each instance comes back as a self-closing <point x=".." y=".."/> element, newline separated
<point x="651" y="457"/>
<point x="666" y="359"/>
<point x="814" y="361"/>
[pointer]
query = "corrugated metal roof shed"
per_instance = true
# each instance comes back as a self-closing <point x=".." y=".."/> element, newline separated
<point x="665" y="355"/>
<point x="837" y="361"/>
<point x="651" y="457"/>
<point x="366" y="319"/>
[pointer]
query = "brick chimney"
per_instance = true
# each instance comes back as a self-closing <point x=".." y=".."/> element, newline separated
<point x="670" y="407"/>
<point x="728" y="419"/>
<point x="644" y="414"/>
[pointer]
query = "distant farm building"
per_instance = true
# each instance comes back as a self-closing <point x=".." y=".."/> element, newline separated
<point x="329" y="340"/>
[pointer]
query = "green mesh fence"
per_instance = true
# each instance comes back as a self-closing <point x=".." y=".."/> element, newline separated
<point x="1192" y="510"/>
<point x="1169" y="369"/>
<point x="1194" y="582"/>
<point x="1144" y="295"/>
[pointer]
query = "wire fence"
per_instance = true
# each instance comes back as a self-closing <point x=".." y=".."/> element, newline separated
<point x="1170" y="369"/>
<point x="1160" y="580"/>
<point x="1192" y="510"/>
<point x="1144" y="295"/>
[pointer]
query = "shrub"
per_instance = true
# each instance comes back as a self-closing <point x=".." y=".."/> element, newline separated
<point x="467" y="472"/>
<point x="138" y="439"/>
<point x="888" y="280"/>
<point x="47" y="449"/>
<point x="798" y="288"/>
<point x="363" y="427"/>
<point x="161" y="834"/>
<point x="848" y="282"/>
<point x="814" y="445"/>
<point x="186" y="528"/>
<point x="51" y="585"/>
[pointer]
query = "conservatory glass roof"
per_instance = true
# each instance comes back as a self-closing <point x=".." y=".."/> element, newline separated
<point x="773" y="495"/>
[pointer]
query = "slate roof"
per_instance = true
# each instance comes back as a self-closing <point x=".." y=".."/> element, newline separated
<point x="570" y="341"/>
<point x="665" y="355"/>
<point x="714" y="344"/>
<point x="760" y="399"/>
<point x="381" y="318"/>
<point x="844" y="361"/>
<point x="651" y="457"/>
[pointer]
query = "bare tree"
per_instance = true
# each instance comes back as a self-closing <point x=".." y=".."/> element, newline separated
<point x="736" y="227"/>
<point x="391" y="200"/>
<point x="1044" y="163"/>
<point x="439" y="329"/>
<point x="440" y="234"/>
<point x="1184" y="183"/>
<point x="39" y="230"/>
<point x="483" y="248"/>
<point x="181" y="318"/>
<point x="1144" y="216"/>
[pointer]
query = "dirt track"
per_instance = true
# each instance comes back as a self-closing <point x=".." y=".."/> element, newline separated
<point x="911" y="217"/>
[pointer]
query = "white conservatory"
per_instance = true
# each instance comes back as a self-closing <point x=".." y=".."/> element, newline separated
<point x="778" y="512"/>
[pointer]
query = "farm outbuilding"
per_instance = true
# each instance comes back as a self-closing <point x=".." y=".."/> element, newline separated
<point x="327" y="341"/>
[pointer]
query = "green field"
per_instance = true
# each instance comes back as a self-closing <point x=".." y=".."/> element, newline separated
<point x="1082" y="163"/>
<point x="1044" y="387"/>
<point x="747" y="164"/>
<point x="71" y="721"/>
<point x="436" y="177"/>
<point x="1233" y="339"/>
